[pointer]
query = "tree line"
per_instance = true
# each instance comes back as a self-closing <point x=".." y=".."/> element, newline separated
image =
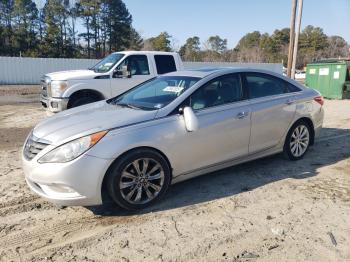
<point x="105" y="26"/>
<point x="314" y="45"/>
<point x="51" y="31"/>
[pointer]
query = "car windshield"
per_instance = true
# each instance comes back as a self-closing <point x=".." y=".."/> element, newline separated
<point x="156" y="93"/>
<point x="107" y="63"/>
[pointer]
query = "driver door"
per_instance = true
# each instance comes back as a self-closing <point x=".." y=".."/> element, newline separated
<point x="138" y="65"/>
<point x="224" y="124"/>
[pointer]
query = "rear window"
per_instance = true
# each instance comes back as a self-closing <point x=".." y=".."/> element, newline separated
<point x="261" y="85"/>
<point x="292" y="88"/>
<point x="165" y="64"/>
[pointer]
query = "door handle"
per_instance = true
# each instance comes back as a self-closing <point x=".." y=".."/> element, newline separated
<point x="290" y="101"/>
<point x="241" y="115"/>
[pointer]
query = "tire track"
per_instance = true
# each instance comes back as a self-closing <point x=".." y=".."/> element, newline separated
<point x="36" y="204"/>
<point x="76" y="237"/>
<point x="20" y="201"/>
<point x="92" y="223"/>
<point x="25" y="238"/>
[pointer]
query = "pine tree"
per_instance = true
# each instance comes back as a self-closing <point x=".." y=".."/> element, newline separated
<point x="159" y="43"/>
<point x="136" y="41"/>
<point x="6" y="36"/>
<point x="88" y="11"/>
<point x="25" y="15"/>
<point x="52" y="43"/>
<point x="119" y="21"/>
<point x="190" y="51"/>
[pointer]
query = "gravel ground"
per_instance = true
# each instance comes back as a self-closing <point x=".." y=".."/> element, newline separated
<point x="266" y="210"/>
<point x="15" y="94"/>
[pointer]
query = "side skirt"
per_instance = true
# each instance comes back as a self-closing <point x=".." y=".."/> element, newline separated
<point x="226" y="164"/>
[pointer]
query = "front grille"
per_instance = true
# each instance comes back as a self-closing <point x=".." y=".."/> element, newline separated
<point x="44" y="91"/>
<point x="33" y="147"/>
<point x="44" y="87"/>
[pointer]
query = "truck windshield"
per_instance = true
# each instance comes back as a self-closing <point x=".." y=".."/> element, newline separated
<point x="107" y="63"/>
<point x="156" y="93"/>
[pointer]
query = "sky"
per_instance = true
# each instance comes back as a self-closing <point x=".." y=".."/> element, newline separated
<point x="232" y="19"/>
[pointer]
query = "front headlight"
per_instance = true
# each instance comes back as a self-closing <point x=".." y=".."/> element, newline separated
<point x="58" y="87"/>
<point x="72" y="149"/>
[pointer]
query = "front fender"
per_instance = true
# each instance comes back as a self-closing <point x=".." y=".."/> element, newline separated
<point x="97" y="86"/>
<point x="159" y="134"/>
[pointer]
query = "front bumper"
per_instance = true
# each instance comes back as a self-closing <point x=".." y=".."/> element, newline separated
<point x="54" y="104"/>
<point x="75" y="183"/>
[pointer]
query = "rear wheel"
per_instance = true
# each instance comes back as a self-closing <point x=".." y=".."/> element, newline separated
<point x="297" y="141"/>
<point x="138" y="179"/>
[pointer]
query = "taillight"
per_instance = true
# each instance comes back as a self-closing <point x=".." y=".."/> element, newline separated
<point x="319" y="99"/>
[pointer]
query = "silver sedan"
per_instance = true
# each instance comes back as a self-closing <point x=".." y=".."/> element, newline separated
<point x="166" y="130"/>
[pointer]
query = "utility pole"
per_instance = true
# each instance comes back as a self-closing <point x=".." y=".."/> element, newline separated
<point x="291" y="37"/>
<point x="296" y="40"/>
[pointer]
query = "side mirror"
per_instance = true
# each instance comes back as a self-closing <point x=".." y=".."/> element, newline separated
<point x="191" y="121"/>
<point x="122" y="73"/>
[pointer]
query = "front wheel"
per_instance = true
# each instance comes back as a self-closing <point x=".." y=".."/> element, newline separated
<point x="79" y="101"/>
<point x="138" y="179"/>
<point x="297" y="141"/>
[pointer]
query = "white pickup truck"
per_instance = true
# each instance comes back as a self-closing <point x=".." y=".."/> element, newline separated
<point x="112" y="76"/>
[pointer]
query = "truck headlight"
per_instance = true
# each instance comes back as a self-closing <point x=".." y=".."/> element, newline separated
<point x="72" y="149"/>
<point x="58" y="87"/>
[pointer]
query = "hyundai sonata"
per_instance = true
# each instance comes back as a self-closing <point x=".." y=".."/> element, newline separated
<point x="168" y="129"/>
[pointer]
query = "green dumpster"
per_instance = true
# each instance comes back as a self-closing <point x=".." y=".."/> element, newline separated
<point x="330" y="77"/>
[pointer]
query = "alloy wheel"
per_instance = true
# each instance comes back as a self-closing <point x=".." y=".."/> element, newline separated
<point x="141" y="181"/>
<point x="299" y="141"/>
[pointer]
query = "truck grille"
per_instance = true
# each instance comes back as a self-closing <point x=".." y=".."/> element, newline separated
<point x="44" y="91"/>
<point x="33" y="147"/>
<point x="44" y="87"/>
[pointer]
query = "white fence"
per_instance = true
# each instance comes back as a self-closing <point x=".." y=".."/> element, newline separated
<point x="17" y="70"/>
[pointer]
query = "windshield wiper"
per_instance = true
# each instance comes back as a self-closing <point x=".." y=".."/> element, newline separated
<point x="93" y="69"/>
<point x="127" y="105"/>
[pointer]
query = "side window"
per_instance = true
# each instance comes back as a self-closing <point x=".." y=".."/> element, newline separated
<point x="137" y="64"/>
<point x="292" y="88"/>
<point x="165" y="64"/>
<point x="222" y="90"/>
<point x="261" y="85"/>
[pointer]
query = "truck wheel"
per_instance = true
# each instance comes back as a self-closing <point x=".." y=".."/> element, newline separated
<point x="79" y="101"/>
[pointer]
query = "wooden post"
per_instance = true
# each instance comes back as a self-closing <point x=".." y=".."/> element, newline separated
<point x="296" y="40"/>
<point x="291" y="37"/>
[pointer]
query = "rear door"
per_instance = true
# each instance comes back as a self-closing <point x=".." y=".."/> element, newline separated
<point x="164" y="64"/>
<point x="273" y="107"/>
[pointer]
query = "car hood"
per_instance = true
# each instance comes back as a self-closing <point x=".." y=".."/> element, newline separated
<point x="73" y="75"/>
<point x="88" y="119"/>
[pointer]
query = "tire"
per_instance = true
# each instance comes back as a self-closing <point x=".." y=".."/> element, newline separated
<point x="79" y="101"/>
<point x="141" y="170"/>
<point x="298" y="141"/>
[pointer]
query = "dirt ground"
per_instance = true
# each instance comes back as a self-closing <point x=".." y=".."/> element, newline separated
<point x="266" y="210"/>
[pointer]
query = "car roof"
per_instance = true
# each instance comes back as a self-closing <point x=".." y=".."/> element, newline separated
<point x="204" y="72"/>
<point x="201" y="73"/>
<point x="145" y="52"/>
